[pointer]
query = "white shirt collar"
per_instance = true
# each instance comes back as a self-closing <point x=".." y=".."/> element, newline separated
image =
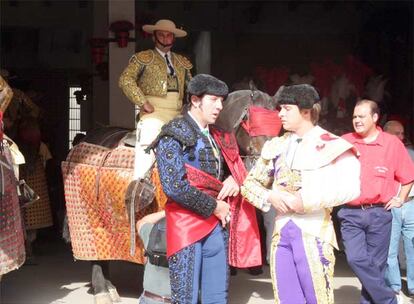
<point x="198" y="124"/>
<point x="294" y="138"/>
<point x="309" y="133"/>
<point x="163" y="54"/>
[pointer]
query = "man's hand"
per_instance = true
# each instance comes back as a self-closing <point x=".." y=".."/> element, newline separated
<point x="276" y="200"/>
<point x="222" y="211"/>
<point x="230" y="188"/>
<point x="294" y="201"/>
<point x="147" y="108"/>
<point x="395" y="202"/>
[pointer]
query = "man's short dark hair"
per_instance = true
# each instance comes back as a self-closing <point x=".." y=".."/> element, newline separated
<point x="302" y="95"/>
<point x="202" y="84"/>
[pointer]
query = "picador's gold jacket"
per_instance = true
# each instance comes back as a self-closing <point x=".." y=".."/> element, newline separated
<point x="146" y="75"/>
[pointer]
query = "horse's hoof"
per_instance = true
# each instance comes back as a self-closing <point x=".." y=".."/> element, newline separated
<point x="113" y="292"/>
<point x="103" y="298"/>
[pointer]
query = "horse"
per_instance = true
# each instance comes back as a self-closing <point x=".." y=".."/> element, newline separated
<point x="103" y="160"/>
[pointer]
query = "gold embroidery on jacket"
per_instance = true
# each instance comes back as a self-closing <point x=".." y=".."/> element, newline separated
<point x="146" y="75"/>
<point x="172" y="83"/>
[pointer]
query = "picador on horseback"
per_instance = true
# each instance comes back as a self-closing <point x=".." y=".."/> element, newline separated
<point x="155" y="80"/>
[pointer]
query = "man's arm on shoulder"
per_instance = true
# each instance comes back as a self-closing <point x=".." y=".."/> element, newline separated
<point x="174" y="180"/>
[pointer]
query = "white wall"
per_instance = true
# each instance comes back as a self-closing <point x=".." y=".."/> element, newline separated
<point x="121" y="110"/>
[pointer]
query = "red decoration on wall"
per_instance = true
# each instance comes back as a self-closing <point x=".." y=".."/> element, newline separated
<point x="98" y="49"/>
<point x="121" y="30"/>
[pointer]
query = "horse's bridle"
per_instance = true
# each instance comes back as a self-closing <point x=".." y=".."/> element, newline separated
<point x="250" y="159"/>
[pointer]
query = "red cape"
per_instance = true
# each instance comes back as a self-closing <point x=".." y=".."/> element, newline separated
<point x="185" y="227"/>
<point x="244" y="243"/>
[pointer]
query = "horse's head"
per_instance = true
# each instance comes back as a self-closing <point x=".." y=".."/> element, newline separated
<point x="251" y="115"/>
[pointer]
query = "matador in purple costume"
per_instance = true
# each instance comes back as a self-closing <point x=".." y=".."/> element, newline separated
<point x="303" y="174"/>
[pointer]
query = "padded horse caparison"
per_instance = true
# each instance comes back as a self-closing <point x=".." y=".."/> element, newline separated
<point x="107" y="154"/>
<point x="108" y="137"/>
<point x="139" y="193"/>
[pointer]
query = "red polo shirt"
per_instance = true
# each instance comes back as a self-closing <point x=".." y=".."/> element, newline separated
<point x="385" y="164"/>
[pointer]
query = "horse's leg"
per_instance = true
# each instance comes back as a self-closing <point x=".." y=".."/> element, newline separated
<point x="100" y="289"/>
<point x="113" y="293"/>
<point x="28" y="242"/>
<point x="101" y="282"/>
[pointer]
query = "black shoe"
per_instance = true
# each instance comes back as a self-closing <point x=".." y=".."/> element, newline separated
<point x="255" y="271"/>
<point x="233" y="271"/>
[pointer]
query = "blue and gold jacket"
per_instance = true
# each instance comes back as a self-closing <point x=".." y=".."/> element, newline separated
<point x="181" y="142"/>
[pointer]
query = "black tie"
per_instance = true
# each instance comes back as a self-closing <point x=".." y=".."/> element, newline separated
<point x="169" y="65"/>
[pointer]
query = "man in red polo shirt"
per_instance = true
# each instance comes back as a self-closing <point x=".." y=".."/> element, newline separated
<point x="366" y="221"/>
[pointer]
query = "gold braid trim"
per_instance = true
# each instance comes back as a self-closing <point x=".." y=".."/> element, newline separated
<point x="273" y="249"/>
<point x="144" y="57"/>
<point x="322" y="272"/>
<point x="184" y="61"/>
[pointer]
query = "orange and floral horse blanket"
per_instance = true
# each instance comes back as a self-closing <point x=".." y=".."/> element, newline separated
<point x="95" y="180"/>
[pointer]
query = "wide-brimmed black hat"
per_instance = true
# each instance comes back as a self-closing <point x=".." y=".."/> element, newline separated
<point x="302" y="95"/>
<point x="206" y="84"/>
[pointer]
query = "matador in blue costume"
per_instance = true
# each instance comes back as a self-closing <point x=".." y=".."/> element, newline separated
<point x="192" y="170"/>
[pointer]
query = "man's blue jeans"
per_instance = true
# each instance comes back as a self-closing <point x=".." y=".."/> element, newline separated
<point x="402" y="225"/>
<point x="201" y="269"/>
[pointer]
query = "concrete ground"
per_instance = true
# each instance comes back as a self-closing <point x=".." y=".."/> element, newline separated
<point x="58" y="279"/>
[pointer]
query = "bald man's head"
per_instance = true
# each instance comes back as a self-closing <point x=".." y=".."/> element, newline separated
<point x="394" y="127"/>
